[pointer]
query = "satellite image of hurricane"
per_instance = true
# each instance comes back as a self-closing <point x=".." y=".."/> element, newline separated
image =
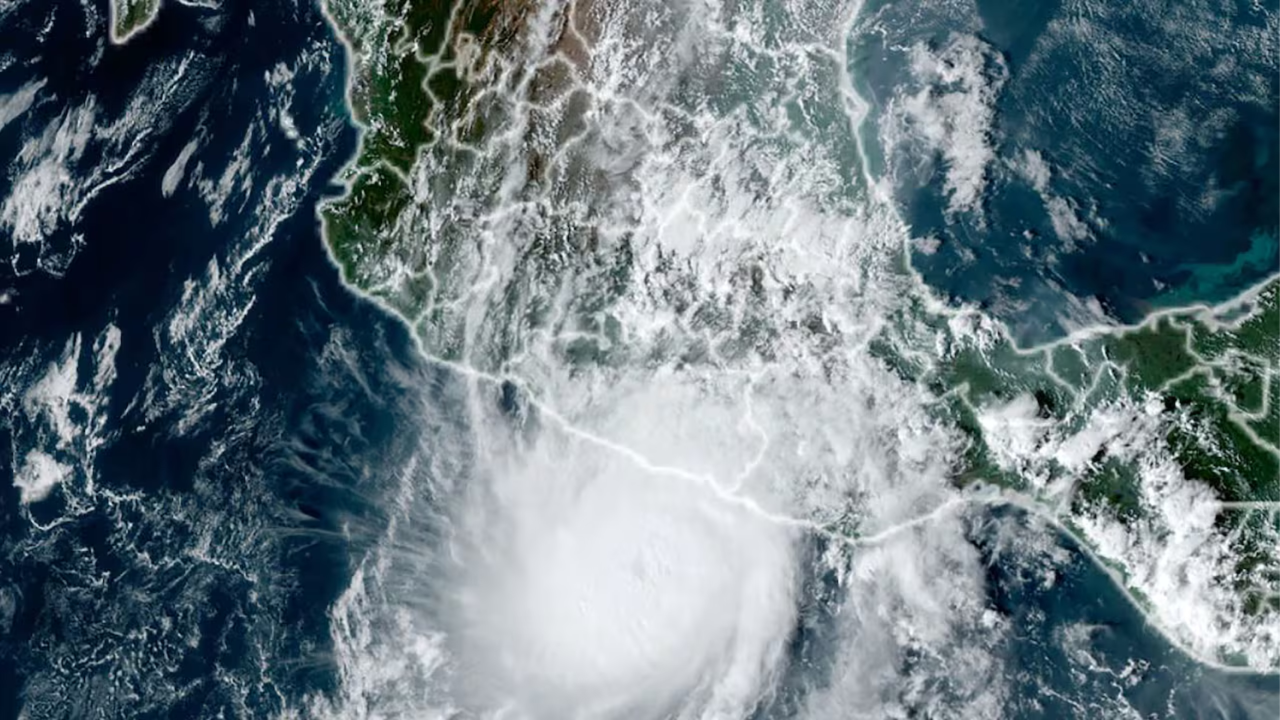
<point x="639" y="359"/>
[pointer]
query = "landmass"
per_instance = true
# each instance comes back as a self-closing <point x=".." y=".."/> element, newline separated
<point x="1157" y="445"/>
<point x="416" y="68"/>
<point x="130" y="17"/>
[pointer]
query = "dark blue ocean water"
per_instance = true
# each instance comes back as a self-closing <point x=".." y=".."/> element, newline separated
<point x="1158" y="130"/>
<point x="193" y="579"/>
<point x="222" y="487"/>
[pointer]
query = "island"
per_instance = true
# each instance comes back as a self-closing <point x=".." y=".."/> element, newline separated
<point x="130" y="17"/>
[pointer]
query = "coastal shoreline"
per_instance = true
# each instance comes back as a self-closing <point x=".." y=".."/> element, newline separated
<point x="931" y="299"/>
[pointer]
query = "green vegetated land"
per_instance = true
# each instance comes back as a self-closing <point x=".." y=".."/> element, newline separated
<point x="440" y="92"/>
<point x="130" y="16"/>
<point x="416" y="65"/>
<point x="1215" y="374"/>
<point x="1208" y="379"/>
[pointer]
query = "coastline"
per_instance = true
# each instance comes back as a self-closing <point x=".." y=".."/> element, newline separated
<point x="857" y="111"/>
<point x="132" y="26"/>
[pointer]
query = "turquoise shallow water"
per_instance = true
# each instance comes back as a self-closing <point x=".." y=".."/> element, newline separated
<point x="1124" y="156"/>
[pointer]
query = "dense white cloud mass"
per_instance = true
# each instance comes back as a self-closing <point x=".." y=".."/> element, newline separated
<point x="587" y="585"/>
